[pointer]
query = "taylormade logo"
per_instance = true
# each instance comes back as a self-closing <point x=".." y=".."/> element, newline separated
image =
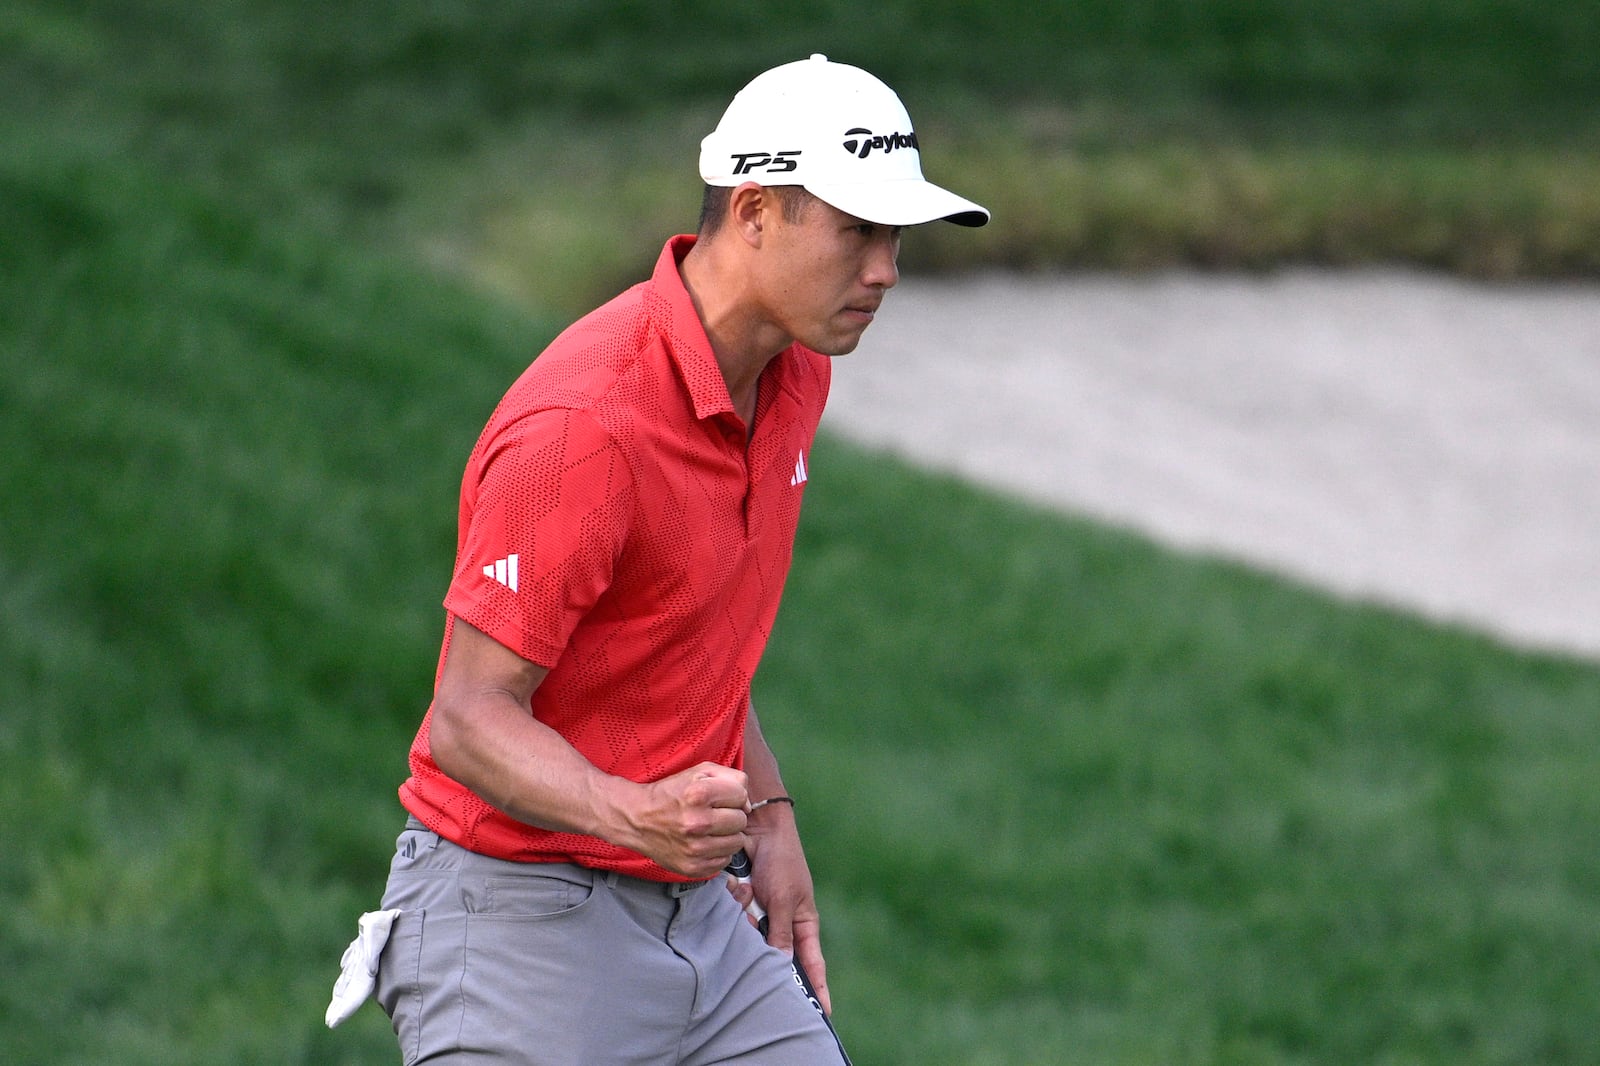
<point x="862" y="142"/>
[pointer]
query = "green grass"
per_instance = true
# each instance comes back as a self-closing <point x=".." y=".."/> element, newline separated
<point x="517" y="140"/>
<point x="222" y="573"/>
<point x="563" y="233"/>
<point x="1069" y="798"/>
<point x="1124" y="807"/>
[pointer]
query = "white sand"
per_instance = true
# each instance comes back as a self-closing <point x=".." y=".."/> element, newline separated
<point x="1429" y="443"/>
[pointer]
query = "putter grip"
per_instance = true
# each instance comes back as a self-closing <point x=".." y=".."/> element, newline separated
<point x="740" y="868"/>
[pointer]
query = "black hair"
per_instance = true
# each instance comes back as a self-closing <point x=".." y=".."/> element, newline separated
<point x="794" y="201"/>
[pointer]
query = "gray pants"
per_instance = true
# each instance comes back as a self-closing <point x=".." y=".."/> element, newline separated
<point x="557" y="965"/>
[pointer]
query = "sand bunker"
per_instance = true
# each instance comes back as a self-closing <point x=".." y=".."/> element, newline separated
<point x="1421" y="441"/>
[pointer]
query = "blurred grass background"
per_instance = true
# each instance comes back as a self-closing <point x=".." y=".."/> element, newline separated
<point x="266" y="266"/>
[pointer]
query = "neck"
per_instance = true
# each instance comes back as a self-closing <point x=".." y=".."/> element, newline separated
<point x="743" y="341"/>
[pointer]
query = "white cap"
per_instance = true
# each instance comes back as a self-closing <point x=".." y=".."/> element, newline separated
<point x="839" y="132"/>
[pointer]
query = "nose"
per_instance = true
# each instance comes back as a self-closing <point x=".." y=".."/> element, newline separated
<point x="882" y="266"/>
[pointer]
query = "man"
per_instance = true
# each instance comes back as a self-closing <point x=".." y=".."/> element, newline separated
<point x="591" y="760"/>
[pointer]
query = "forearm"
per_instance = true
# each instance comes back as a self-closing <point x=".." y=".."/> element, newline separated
<point x="485" y="736"/>
<point x="689" y="823"/>
<point x="782" y="878"/>
<point x="761" y="768"/>
<point x="760" y="764"/>
<point x="496" y="748"/>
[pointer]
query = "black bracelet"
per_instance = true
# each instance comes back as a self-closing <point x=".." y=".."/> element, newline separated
<point x="754" y="807"/>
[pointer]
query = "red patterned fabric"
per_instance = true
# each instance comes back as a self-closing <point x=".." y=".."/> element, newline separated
<point x="619" y="527"/>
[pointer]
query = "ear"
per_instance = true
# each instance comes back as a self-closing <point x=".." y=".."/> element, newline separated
<point x="749" y="209"/>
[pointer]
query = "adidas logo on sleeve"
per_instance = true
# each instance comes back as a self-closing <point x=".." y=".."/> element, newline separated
<point x="503" y="571"/>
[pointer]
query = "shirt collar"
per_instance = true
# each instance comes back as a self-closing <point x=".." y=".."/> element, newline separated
<point x="673" y="312"/>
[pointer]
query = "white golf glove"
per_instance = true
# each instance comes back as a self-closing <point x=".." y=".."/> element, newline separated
<point x="360" y="965"/>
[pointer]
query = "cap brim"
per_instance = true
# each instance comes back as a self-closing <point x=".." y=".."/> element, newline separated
<point x="900" y="203"/>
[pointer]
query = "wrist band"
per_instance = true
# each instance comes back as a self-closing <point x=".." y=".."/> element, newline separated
<point x="754" y="807"/>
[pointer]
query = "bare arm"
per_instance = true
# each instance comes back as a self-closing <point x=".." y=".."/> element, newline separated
<point x="484" y="736"/>
<point x="782" y="880"/>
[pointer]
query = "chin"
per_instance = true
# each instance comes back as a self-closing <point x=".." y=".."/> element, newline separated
<point x="836" y="346"/>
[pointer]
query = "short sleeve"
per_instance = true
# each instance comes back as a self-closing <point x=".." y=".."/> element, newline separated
<point x="546" y="507"/>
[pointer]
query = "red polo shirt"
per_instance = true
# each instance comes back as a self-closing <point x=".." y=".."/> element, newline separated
<point x="618" y="528"/>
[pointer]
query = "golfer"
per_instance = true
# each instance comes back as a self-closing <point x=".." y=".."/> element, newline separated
<point x="591" y="759"/>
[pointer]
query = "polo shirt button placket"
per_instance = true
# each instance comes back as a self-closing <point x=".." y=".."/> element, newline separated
<point x="735" y="435"/>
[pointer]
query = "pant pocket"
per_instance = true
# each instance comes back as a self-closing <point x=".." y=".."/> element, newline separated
<point x="531" y="991"/>
<point x="399" y="983"/>
<point x="550" y="895"/>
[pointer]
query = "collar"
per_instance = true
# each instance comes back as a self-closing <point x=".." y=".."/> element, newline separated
<point x="673" y="312"/>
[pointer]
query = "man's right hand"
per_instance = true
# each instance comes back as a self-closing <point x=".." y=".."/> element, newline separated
<point x="692" y="822"/>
